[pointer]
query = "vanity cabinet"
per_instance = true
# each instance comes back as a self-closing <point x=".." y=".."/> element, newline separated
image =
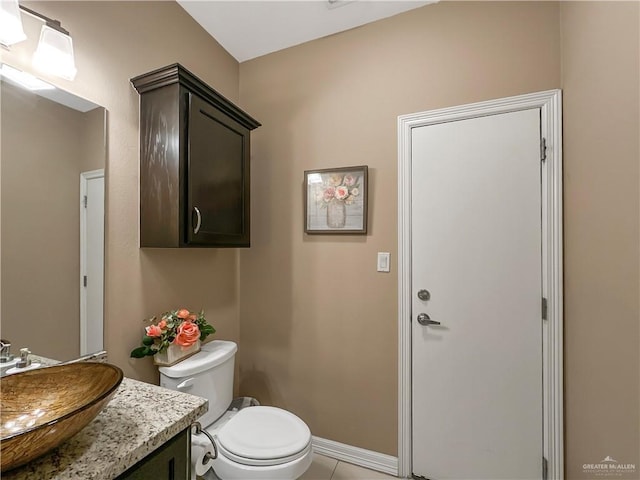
<point x="194" y="163"/>
<point x="172" y="461"/>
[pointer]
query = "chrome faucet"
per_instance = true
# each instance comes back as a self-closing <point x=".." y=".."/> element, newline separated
<point x="5" y="351"/>
<point x="25" y="361"/>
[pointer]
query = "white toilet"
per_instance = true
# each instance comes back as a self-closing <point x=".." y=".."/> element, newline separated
<point x="265" y="443"/>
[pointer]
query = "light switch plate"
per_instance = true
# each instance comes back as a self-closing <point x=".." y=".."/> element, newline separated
<point x="383" y="261"/>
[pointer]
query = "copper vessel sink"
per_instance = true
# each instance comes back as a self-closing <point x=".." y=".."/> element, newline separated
<point x="42" y="408"/>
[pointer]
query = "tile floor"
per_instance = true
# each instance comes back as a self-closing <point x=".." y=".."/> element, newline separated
<point x="325" y="468"/>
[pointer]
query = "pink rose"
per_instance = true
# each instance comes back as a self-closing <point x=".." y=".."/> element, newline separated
<point x="342" y="192"/>
<point x="182" y="313"/>
<point x="329" y="192"/>
<point x="162" y="324"/>
<point x="153" y="331"/>
<point x="192" y="317"/>
<point x="188" y="334"/>
<point x="349" y="180"/>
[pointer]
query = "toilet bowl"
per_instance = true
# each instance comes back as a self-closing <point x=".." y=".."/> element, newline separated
<point x="258" y="442"/>
<point x="262" y="442"/>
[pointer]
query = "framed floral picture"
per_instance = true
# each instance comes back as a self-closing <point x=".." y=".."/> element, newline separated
<point x="335" y="200"/>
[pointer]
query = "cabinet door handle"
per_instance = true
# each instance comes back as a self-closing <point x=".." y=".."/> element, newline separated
<point x="196" y="229"/>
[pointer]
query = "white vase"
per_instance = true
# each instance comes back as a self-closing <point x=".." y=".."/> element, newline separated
<point x="174" y="354"/>
<point x="336" y="214"/>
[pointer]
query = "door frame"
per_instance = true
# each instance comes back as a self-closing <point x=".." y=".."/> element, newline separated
<point x="84" y="179"/>
<point x="550" y="104"/>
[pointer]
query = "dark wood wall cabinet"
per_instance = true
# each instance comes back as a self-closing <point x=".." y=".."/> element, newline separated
<point x="194" y="163"/>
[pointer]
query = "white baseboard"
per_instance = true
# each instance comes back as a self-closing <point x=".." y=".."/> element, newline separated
<point x="356" y="455"/>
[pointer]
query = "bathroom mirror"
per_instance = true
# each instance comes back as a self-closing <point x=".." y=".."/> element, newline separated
<point x="52" y="172"/>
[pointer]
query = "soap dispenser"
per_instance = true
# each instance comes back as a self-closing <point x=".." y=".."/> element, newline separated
<point x="24" y="363"/>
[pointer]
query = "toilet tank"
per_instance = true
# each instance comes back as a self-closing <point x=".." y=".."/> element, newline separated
<point x="207" y="374"/>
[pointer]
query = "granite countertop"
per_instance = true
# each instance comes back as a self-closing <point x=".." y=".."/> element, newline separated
<point x="139" y="418"/>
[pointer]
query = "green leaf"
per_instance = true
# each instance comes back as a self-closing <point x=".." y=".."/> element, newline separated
<point x="139" y="352"/>
<point x="207" y="329"/>
<point x="146" y="340"/>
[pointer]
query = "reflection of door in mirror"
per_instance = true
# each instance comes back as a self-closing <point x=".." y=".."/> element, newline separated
<point x="52" y="156"/>
<point x="91" y="260"/>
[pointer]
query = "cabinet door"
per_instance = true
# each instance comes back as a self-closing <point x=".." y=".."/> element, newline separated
<point x="217" y="178"/>
<point x="172" y="461"/>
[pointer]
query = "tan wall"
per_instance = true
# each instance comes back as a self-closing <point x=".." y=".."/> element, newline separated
<point x="318" y="324"/>
<point x="601" y="81"/>
<point x="41" y="156"/>
<point x="115" y="41"/>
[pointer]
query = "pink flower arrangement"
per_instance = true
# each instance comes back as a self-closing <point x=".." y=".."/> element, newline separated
<point x="179" y="327"/>
<point x="341" y="188"/>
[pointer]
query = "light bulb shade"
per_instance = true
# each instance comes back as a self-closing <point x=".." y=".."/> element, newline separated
<point x="11" y="30"/>
<point x="54" y="54"/>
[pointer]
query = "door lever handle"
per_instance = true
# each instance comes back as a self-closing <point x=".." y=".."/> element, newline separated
<point x="423" y="319"/>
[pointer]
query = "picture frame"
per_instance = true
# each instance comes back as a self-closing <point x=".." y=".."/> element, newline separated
<point x="335" y="200"/>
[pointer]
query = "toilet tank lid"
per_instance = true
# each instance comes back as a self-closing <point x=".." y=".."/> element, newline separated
<point x="211" y="355"/>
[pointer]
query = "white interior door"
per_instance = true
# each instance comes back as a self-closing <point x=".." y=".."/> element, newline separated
<point x="476" y="248"/>
<point x="91" y="261"/>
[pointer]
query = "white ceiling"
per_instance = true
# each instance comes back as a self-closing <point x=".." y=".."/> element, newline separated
<point x="248" y="29"/>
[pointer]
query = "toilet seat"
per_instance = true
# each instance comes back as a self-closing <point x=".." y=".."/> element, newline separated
<point x="269" y="462"/>
<point x="264" y="436"/>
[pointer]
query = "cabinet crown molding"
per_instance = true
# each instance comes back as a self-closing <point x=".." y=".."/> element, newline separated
<point x="176" y="73"/>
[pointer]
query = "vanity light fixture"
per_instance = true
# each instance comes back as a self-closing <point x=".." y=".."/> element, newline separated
<point x="11" y="30"/>
<point x="54" y="54"/>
